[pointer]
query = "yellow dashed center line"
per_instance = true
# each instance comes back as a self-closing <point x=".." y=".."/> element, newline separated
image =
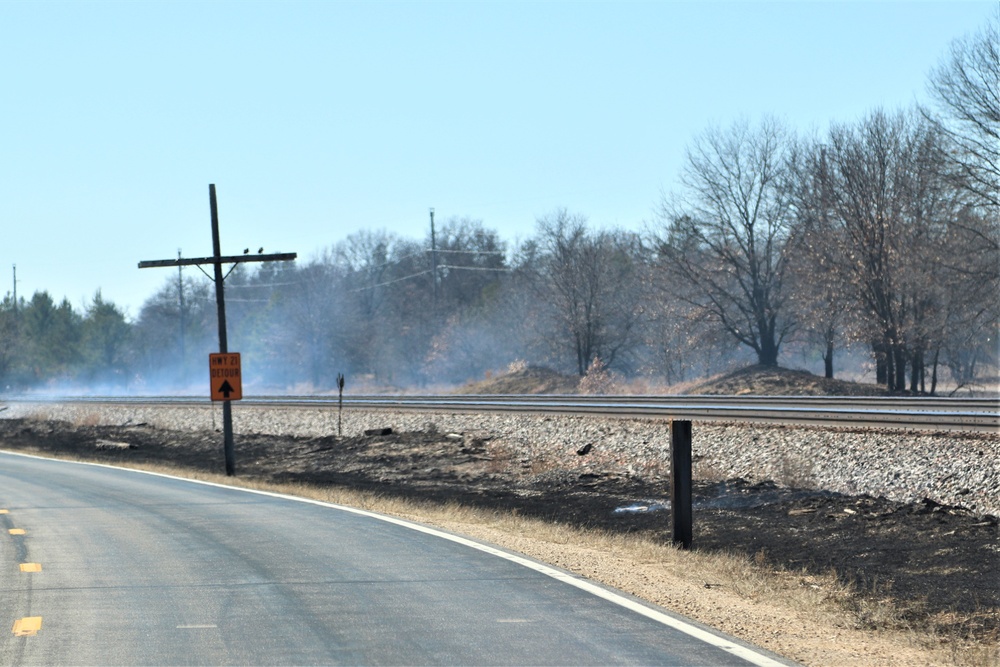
<point x="28" y="626"/>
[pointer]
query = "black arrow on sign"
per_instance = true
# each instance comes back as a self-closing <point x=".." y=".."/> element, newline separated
<point x="226" y="389"/>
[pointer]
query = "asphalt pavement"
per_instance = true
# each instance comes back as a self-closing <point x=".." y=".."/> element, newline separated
<point x="113" y="567"/>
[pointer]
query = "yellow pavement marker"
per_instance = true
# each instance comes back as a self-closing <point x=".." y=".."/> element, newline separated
<point x="16" y="531"/>
<point x="4" y="511"/>
<point x="31" y="567"/>
<point x="27" y="626"/>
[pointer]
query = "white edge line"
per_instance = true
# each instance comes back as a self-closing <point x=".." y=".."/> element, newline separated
<point x="709" y="638"/>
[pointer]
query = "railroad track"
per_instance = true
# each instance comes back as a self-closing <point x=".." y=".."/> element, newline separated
<point x="917" y="413"/>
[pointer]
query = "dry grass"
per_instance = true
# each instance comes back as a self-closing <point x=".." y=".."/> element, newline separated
<point x="80" y="417"/>
<point x="707" y="471"/>
<point x="795" y="472"/>
<point x="39" y="415"/>
<point x="502" y="458"/>
<point x="87" y="418"/>
<point x="508" y="459"/>
<point x="817" y="620"/>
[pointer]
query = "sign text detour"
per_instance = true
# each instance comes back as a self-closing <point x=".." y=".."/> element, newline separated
<point x="226" y="381"/>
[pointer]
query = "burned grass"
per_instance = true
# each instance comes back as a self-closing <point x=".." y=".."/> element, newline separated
<point x="923" y="569"/>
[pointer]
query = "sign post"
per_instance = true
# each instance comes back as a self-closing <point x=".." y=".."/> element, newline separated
<point x="229" y="387"/>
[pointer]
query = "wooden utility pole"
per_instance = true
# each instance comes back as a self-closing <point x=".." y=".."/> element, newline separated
<point x="434" y="262"/>
<point x="217" y="260"/>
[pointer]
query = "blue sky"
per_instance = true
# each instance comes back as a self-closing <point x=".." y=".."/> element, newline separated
<point x="318" y="119"/>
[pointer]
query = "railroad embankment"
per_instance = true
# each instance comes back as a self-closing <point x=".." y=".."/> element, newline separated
<point x="947" y="468"/>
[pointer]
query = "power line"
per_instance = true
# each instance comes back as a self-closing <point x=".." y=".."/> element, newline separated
<point x="423" y="251"/>
<point x="474" y="252"/>
<point x="231" y="300"/>
<point x="393" y="261"/>
<point x="296" y="282"/>
<point x="472" y="268"/>
<point x="361" y="289"/>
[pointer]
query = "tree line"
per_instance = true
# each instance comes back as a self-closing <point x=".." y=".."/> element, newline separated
<point x="881" y="235"/>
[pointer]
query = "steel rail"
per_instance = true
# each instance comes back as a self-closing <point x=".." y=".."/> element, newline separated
<point x="916" y="413"/>
<point x="916" y="403"/>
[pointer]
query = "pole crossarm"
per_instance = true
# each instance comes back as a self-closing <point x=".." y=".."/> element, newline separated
<point x="226" y="259"/>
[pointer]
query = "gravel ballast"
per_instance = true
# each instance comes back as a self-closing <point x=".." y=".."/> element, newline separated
<point x="949" y="468"/>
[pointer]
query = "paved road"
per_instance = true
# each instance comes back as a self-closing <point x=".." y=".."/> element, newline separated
<point x="140" y="569"/>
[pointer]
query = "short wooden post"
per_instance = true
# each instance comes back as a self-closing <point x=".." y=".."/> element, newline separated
<point x="680" y="482"/>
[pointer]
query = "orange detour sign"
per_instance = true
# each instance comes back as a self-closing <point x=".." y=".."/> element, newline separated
<point x="227" y="384"/>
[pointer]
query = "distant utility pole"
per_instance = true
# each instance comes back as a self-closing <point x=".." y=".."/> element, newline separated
<point x="434" y="261"/>
<point x="180" y="309"/>
<point x="217" y="260"/>
<point x="15" y="290"/>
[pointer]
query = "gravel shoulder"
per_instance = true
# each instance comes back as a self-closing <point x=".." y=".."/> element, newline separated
<point x="909" y="518"/>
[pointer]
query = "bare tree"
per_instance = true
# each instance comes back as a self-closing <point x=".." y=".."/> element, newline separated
<point x="885" y="216"/>
<point x="726" y="233"/>
<point x="174" y="328"/>
<point x="300" y="332"/>
<point x="966" y="90"/>
<point x="368" y="258"/>
<point x="589" y="283"/>
<point x="379" y="268"/>
<point x="469" y="336"/>
<point x="680" y="340"/>
<point x="471" y="262"/>
<point x="969" y="322"/>
<point x="819" y="300"/>
<point x="819" y="294"/>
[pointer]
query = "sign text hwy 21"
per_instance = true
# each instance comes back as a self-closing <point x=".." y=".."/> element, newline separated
<point x="226" y="382"/>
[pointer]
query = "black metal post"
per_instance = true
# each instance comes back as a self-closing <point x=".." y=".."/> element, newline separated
<point x="680" y="482"/>
<point x="220" y="300"/>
